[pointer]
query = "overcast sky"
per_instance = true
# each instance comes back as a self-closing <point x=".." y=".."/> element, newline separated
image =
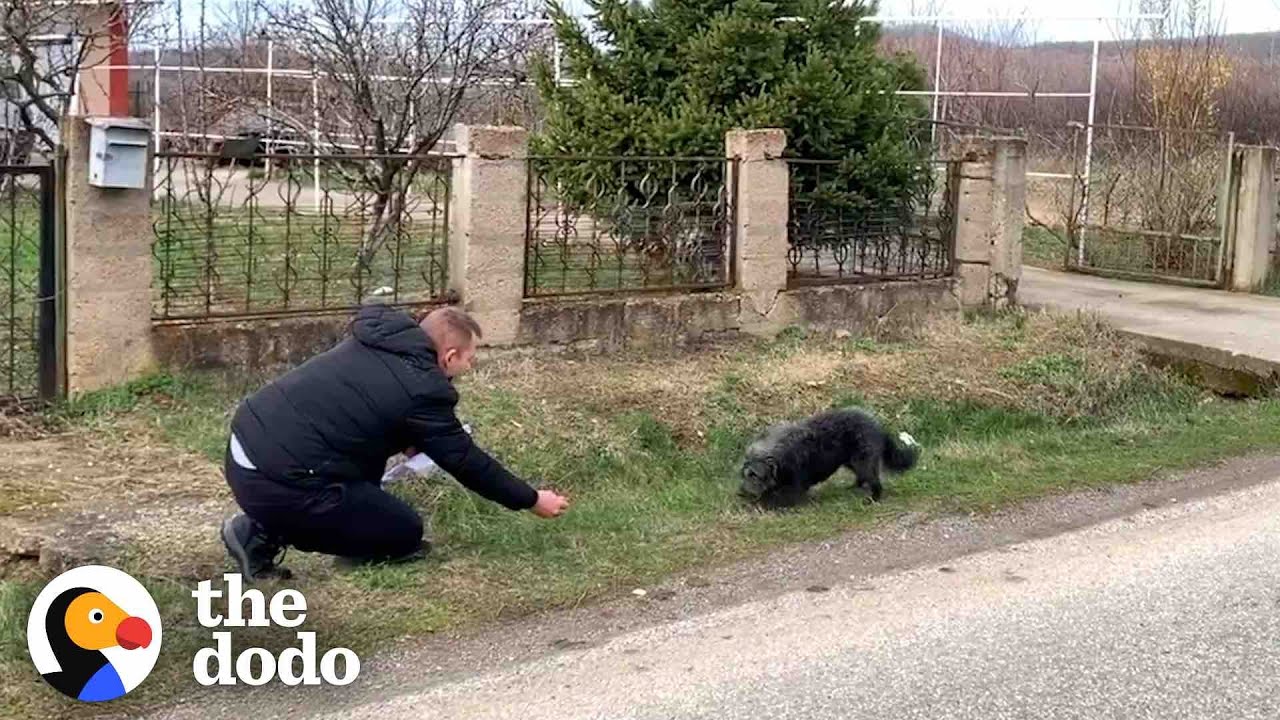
<point x="1238" y="16"/>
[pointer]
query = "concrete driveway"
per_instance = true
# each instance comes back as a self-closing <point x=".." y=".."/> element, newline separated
<point x="1235" y="331"/>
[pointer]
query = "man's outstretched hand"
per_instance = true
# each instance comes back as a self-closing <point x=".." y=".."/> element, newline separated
<point x="550" y="504"/>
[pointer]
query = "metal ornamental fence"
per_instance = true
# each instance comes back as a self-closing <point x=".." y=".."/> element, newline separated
<point x="619" y="224"/>
<point x="29" y="366"/>
<point x="835" y="240"/>
<point x="297" y="234"/>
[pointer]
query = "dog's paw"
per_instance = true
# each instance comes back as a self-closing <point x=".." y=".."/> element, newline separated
<point x="871" y="497"/>
<point x="907" y="440"/>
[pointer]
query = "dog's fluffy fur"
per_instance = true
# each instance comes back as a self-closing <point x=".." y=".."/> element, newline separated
<point x="791" y="457"/>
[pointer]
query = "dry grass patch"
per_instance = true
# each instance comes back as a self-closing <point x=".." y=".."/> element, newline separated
<point x="614" y="385"/>
<point x="83" y="468"/>
<point x="1064" y="368"/>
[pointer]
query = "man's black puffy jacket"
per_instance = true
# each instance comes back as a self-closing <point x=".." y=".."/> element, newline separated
<point x="341" y="414"/>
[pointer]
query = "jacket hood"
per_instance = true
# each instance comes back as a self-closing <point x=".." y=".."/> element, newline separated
<point x="392" y="330"/>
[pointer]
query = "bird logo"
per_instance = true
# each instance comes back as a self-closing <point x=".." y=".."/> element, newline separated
<point x="94" y="633"/>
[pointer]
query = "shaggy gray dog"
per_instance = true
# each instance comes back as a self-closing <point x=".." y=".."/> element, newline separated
<point x="791" y="457"/>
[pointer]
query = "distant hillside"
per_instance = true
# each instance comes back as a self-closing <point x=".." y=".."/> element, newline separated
<point x="1248" y="105"/>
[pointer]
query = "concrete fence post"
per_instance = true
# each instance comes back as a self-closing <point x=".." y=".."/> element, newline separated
<point x="1255" y="228"/>
<point x="761" y="199"/>
<point x="989" y="216"/>
<point x="487" y="227"/>
<point x="108" y="273"/>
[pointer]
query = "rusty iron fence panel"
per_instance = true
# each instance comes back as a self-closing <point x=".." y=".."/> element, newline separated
<point x="1149" y="203"/>
<point x="628" y="224"/>
<point x="281" y="235"/>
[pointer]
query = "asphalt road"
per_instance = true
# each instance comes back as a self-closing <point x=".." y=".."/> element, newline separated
<point x="1170" y="613"/>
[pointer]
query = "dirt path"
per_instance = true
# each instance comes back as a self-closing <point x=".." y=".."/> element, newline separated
<point x="78" y="498"/>
<point x="393" y="683"/>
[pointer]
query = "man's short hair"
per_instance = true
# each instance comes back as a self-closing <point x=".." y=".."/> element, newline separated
<point x="455" y="322"/>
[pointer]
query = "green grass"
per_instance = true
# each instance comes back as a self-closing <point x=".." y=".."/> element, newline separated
<point x="241" y="259"/>
<point x="1043" y="248"/>
<point x="652" y="471"/>
<point x="19" y="272"/>
<point x="428" y="181"/>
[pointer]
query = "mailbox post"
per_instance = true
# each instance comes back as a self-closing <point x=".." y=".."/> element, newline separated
<point x="118" y="153"/>
<point x="108" y="251"/>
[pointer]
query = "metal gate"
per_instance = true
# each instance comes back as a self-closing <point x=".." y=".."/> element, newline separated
<point x="1151" y="203"/>
<point x="28" y="284"/>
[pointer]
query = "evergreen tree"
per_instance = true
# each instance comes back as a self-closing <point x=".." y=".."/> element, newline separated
<point x="669" y="78"/>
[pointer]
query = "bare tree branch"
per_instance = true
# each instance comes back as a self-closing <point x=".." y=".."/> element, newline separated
<point x="45" y="46"/>
<point x="392" y="79"/>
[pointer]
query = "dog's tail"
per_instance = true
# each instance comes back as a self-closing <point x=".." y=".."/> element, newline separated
<point x="901" y="452"/>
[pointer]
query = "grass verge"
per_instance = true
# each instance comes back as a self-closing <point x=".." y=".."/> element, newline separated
<point x="1043" y="248"/>
<point x="1008" y="408"/>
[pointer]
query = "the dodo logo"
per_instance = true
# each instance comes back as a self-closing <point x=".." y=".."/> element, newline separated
<point x="94" y="633"/>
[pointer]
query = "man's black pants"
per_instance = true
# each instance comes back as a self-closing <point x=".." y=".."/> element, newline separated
<point x="354" y="520"/>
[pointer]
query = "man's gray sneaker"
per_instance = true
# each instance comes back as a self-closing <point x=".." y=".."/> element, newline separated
<point x="256" y="554"/>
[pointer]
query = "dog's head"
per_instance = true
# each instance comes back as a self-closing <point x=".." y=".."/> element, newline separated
<point x="759" y="475"/>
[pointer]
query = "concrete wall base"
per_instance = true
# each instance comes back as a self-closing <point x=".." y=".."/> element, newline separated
<point x="880" y="310"/>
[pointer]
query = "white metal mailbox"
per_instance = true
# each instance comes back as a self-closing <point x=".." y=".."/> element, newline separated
<point x="118" y="152"/>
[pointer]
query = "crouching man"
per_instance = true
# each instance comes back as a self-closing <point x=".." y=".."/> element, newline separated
<point x="307" y="451"/>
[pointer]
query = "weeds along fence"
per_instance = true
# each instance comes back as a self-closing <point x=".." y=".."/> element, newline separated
<point x="1141" y="201"/>
<point x="609" y="224"/>
<point x="297" y="234"/>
